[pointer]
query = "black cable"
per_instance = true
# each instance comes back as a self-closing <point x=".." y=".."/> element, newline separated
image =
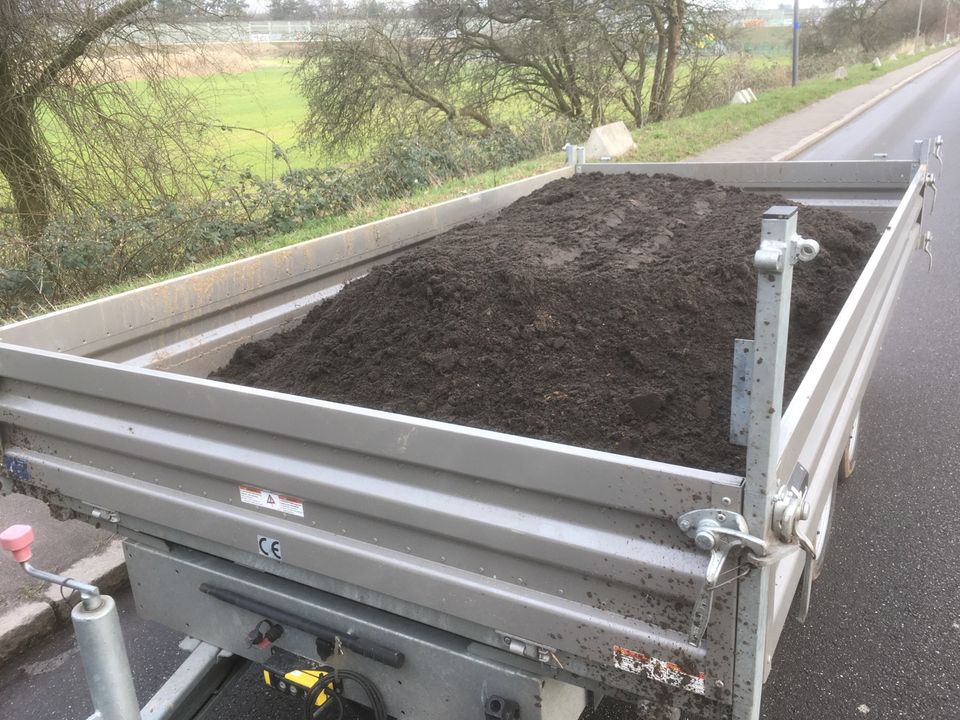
<point x="330" y="683"/>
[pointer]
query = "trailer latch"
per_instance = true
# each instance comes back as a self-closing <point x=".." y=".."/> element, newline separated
<point x="724" y="533"/>
<point x="720" y="532"/>
<point x="790" y="507"/>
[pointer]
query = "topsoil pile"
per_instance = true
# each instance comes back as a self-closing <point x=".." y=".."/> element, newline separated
<point x="599" y="311"/>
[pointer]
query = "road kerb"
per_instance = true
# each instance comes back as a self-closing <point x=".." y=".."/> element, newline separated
<point x="823" y="132"/>
<point x="24" y="624"/>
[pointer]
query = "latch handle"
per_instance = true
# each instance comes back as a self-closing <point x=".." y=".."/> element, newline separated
<point x="721" y="532"/>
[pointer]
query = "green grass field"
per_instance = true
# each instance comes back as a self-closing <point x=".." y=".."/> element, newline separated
<point x="265" y="99"/>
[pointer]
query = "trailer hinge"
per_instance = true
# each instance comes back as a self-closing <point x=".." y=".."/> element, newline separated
<point x="724" y="533"/>
<point x="103" y="514"/>
<point x="530" y="649"/>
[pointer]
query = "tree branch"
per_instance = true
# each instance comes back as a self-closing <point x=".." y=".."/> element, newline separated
<point x="81" y="41"/>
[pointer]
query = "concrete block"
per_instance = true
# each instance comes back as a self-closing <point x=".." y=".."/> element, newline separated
<point x="22" y="625"/>
<point x="840" y="74"/>
<point x="876" y="63"/>
<point x="610" y="141"/>
<point x="892" y="58"/>
<point x="739" y="98"/>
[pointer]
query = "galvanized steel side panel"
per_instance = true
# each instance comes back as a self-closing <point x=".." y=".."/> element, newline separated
<point x="570" y="548"/>
<point x="816" y="424"/>
<point x="193" y="324"/>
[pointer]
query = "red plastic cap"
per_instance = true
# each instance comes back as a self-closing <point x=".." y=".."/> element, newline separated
<point x="17" y="539"/>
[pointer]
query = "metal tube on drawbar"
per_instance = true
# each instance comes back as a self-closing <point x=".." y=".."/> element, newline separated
<point x="373" y="651"/>
<point x="105" y="663"/>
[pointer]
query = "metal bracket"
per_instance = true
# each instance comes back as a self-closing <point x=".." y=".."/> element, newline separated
<point x="530" y="649"/>
<point x="938" y="151"/>
<point x="722" y="533"/>
<point x="789" y="508"/>
<point x="740" y="391"/>
<point x="931" y="182"/>
<point x="770" y="255"/>
<point x="103" y="514"/>
<point x="925" y="241"/>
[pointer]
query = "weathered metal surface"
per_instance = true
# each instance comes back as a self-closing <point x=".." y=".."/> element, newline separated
<point x="740" y="391"/>
<point x="442" y="679"/>
<point x="529" y="537"/>
<point x="816" y="424"/>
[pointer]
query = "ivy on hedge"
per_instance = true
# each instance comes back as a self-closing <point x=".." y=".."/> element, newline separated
<point x="86" y="252"/>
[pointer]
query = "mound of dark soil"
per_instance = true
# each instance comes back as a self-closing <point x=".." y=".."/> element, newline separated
<point x="599" y="311"/>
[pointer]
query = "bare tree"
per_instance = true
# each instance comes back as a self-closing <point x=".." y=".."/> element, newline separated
<point x="469" y="61"/>
<point x="389" y="72"/>
<point x="72" y="132"/>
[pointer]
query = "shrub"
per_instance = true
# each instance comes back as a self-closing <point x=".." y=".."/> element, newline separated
<point x="81" y="254"/>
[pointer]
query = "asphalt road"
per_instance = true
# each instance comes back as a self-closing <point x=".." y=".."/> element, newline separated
<point x="883" y="637"/>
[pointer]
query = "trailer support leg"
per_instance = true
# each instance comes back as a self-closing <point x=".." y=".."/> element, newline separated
<point x="105" y="663"/>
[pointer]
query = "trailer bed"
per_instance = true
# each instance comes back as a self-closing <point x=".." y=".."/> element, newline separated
<point x="491" y="537"/>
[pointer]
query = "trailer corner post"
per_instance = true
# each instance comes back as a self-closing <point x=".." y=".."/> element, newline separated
<point x="780" y="247"/>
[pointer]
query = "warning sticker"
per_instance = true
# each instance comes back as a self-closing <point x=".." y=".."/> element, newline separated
<point x="271" y="500"/>
<point x="666" y="672"/>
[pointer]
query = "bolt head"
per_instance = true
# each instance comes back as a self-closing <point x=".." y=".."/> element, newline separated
<point x="705" y="540"/>
<point x="684" y="524"/>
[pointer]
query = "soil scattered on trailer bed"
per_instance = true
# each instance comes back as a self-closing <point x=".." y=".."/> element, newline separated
<point x="598" y="311"/>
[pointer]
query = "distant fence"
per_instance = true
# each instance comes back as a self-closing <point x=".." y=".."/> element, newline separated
<point x="237" y="31"/>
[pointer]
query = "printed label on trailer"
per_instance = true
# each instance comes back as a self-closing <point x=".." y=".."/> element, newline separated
<point x="269" y="547"/>
<point x="667" y="673"/>
<point x="271" y="500"/>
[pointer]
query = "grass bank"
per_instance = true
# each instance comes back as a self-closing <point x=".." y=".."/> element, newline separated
<point x="679" y="138"/>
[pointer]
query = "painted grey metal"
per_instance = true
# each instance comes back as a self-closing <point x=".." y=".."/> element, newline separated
<point x="740" y="391"/>
<point x="104" y="659"/>
<point x="443" y="677"/>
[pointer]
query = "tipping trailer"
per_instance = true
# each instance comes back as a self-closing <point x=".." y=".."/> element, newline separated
<point x="460" y="572"/>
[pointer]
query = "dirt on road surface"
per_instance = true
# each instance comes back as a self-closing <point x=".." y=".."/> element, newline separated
<point x="599" y="311"/>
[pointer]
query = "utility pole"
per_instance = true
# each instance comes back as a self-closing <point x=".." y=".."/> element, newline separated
<point x="916" y="38"/>
<point x="795" y="77"/>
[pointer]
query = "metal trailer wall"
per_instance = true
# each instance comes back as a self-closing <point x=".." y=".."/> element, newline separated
<point x="480" y="534"/>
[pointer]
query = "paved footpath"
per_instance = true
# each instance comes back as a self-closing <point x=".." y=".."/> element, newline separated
<point x="787" y="137"/>
<point x="78" y="550"/>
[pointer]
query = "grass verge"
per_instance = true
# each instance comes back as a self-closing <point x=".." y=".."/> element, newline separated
<point x="679" y="138"/>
